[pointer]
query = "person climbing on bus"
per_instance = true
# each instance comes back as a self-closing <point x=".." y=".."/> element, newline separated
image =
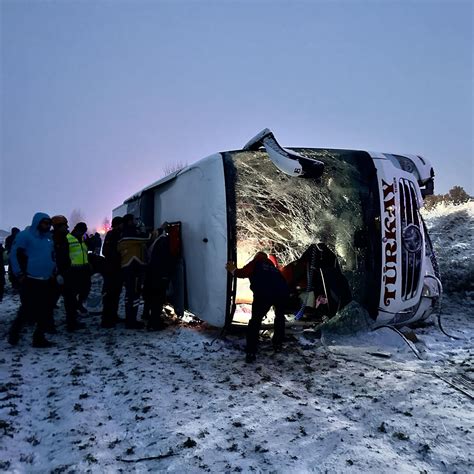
<point x="269" y="289"/>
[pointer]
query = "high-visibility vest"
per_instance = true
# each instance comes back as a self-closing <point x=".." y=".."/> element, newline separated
<point x="77" y="251"/>
<point x="132" y="249"/>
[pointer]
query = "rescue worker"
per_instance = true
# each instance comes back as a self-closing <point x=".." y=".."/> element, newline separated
<point x="132" y="249"/>
<point x="32" y="260"/>
<point x="269" y="289"/>
<point x="77" y="278"/>
<point x="158" y="274"/>
<point x="112" y="275"/>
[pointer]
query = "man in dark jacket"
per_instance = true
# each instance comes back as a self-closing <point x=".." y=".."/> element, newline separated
<point x="2" y="272"/>
<point x="32" y="260"/>
<point x="8" y="247"/>
<point x="269" y="289"/>
<point x="61" y="249"/>
<point x="159" y="271"/>
<point x="97" y="244"/>
<point x="112" y="275"/>
<point x="61" y="245"/>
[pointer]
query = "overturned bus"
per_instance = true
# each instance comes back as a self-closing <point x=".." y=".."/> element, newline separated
<point x="342" y="224"/>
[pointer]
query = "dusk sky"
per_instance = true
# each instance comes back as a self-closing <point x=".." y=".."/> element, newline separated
<point x="97" y="97"/>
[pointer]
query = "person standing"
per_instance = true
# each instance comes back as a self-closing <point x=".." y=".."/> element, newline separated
<point x="97" y="244"/>
<point x="9" y="240"/>
<point x="8" y="247"/>
<point x="61" y="250"/>
<point x="112" y="275"/>
<point x="61" y="243"/>
<point x="132" y="249"/>
<point x="2" y="272"/>
<point x="33" y="265"/>
<point x="158" y="274"/>
<point x="269" y="289"/>
<point x="77" y="278"/>
<point x="89" y="241"/>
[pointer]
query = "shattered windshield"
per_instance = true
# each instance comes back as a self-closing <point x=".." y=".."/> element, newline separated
<point x="284" y="215"/>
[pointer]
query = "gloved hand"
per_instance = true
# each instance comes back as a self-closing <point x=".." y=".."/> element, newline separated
<point x="231" y="267"/>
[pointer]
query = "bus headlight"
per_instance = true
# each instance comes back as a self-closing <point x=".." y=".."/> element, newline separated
<point x="406" y="164"/>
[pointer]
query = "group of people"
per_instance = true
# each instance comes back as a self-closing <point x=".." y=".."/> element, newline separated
<point x="45" y="264"/>
<point x="144" y="265"/>
<point x="94" y="243"/>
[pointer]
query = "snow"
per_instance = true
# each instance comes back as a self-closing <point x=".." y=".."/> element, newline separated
<point x="451" y="229"/>
<point x="358" y="402"/>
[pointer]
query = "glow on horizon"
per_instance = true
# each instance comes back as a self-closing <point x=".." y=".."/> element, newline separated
<point x="99" y="97"/>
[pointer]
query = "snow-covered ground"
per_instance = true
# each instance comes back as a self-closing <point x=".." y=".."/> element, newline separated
<point x="105" y="400"/>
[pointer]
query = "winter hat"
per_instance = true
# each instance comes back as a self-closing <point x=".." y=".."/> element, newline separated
<point x="58" y="220"/>
<point x="128" y="219"/>
<point x="81" y="227"/>
<point x="116" y="221"/>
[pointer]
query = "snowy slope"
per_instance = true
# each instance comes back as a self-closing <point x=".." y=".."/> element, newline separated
<point x="451" y="229"/>
<point x="103" y="400"/>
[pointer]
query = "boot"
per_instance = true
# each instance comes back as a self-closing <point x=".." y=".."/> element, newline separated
<point x="134" y="325"/>
<point x="250" y="357"/>
<point x="13" y="338"/>
<point x="51" y="329"/>
<point x="277" y="347"/>
<point x="107" y="324"/>
<point x="74" y="326"/>
<point x="156" y="326"/>
<point x="14" y="333"/>
<point x="40" y="343"/>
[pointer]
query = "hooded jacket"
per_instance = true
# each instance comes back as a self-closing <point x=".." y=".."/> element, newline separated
<point x="36" y="248"/>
